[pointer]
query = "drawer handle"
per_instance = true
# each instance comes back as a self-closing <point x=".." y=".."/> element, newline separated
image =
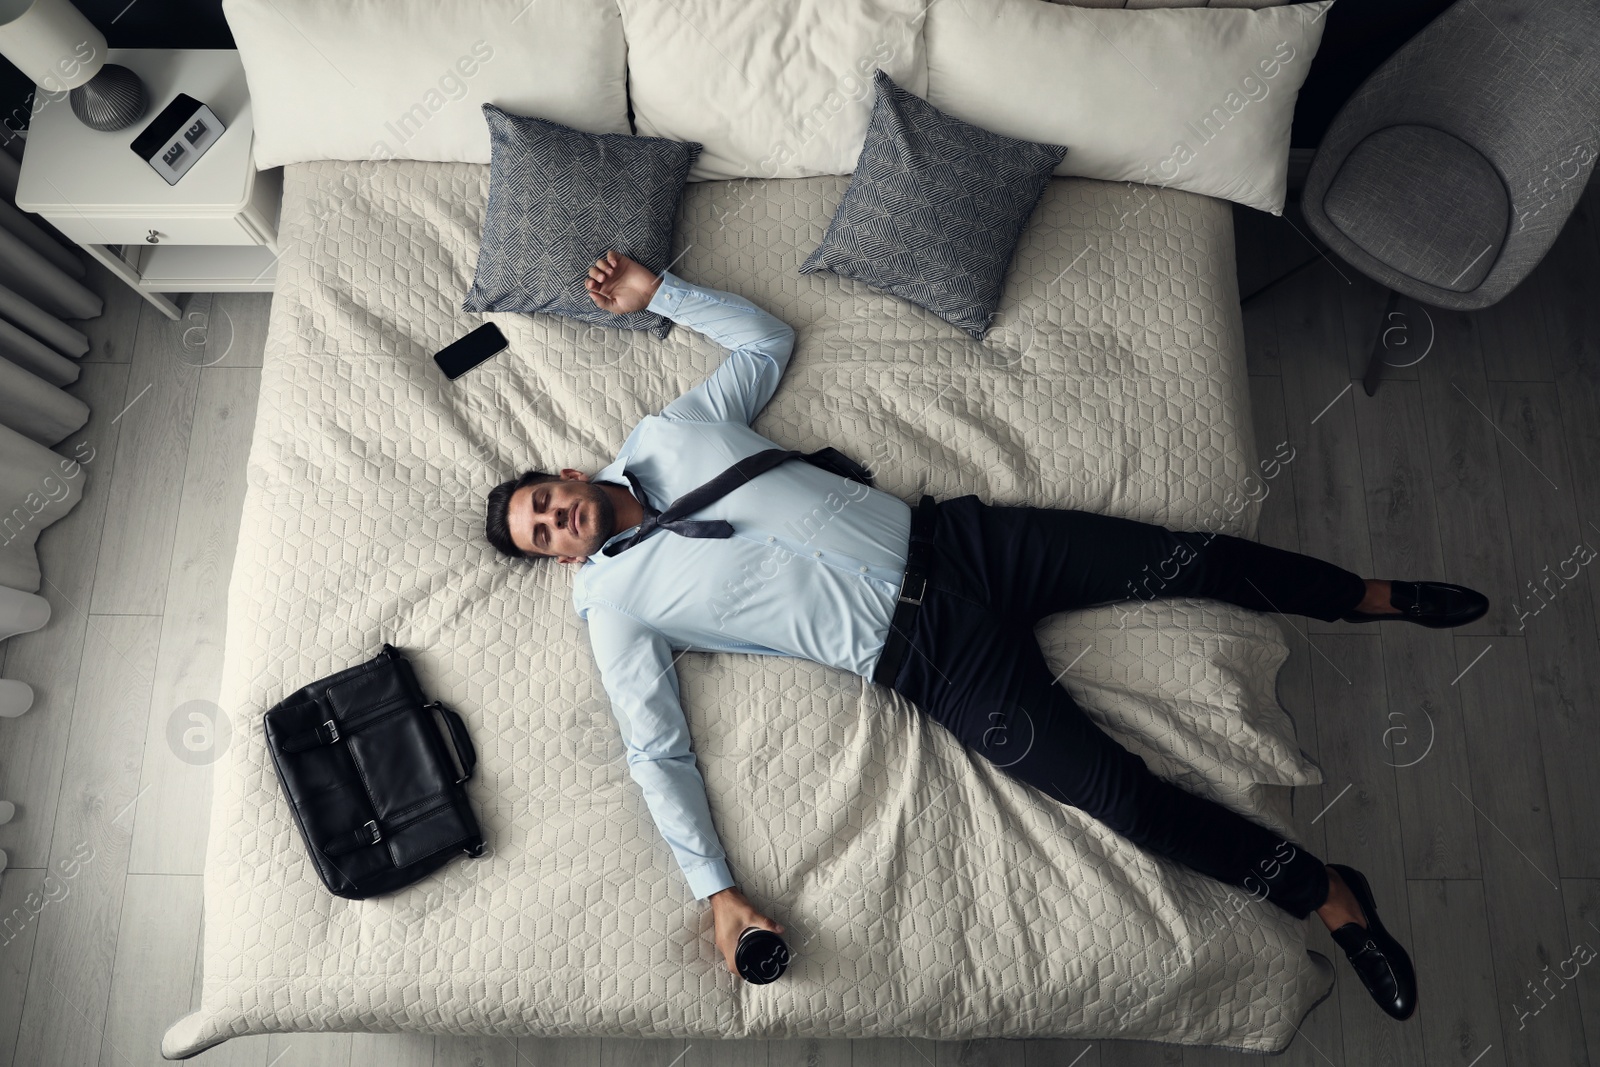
<point x="153" y="238"/>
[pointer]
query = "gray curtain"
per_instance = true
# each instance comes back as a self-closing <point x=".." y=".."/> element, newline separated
<point x="40" y="285"/>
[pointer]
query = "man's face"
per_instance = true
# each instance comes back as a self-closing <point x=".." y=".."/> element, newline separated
<point x="568" y="519"/>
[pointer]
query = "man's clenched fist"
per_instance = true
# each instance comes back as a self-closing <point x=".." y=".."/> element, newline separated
<point x="733" y="914"/>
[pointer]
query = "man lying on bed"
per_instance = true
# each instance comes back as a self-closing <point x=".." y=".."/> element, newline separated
<point x="957" y="641"/>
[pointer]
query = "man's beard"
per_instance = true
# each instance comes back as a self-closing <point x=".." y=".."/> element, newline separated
<point x="604" y="518"/>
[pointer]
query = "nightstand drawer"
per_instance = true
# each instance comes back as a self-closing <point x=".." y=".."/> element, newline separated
<point x="224" y="230"/>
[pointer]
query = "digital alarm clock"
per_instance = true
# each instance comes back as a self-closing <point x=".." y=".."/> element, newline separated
<point x="178" y="137"/>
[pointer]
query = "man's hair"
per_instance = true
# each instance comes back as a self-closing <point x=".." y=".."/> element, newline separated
<point x="496" y="524"/>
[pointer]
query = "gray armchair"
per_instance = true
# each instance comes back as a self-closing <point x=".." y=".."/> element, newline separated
<point x="1449" y="173"/>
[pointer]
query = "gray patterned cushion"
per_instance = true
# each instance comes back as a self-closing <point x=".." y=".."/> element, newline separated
<point x="935" y="208"/>
<point x="558" y="199"/>
<point x="1424" y="202"/>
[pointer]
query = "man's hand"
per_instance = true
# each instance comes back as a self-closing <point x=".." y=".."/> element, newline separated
<point x="619" y="284"/>
<point x="733" y="914"/>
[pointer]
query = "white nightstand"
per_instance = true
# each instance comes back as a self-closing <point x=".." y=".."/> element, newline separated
<point x="215" y="231"/>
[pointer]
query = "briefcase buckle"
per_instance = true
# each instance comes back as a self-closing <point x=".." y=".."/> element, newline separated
<point x="331" y="728"/>
<point x="375" y="834"/>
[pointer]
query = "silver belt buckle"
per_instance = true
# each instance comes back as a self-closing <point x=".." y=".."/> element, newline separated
<point x="922" y="591"/>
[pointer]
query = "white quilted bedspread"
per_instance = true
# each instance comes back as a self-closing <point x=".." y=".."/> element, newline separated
<point x="925" y="893"/>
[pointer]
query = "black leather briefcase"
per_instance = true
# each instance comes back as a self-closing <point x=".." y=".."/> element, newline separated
<point x="377" y="796"/>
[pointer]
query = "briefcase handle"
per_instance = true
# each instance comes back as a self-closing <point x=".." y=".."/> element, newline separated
<point x="466" y="755"/>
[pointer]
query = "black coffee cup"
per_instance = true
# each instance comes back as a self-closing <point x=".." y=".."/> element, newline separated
<point x="760" y="956"/>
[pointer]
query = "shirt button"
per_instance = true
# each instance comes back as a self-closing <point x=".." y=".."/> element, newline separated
<point x="771" y="539"/>
<point x="863" y="570"/>
<point x="817" y="554"/>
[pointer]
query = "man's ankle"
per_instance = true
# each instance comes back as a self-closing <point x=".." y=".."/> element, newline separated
<point x="1377" y="602"/>
<point x="1341" y="907"/>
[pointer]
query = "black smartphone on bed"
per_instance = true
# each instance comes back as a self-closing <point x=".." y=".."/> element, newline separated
<point x="458" y="357"/>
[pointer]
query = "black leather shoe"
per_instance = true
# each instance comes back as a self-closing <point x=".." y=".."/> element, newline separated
<point x="1435" y="604"/>
<point x="1379" y="961"/>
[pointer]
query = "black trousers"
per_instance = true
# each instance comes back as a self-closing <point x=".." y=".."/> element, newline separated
<point x="976" y="668"/>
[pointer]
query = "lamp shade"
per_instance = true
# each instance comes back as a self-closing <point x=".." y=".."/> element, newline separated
<point x="51" y="42"/>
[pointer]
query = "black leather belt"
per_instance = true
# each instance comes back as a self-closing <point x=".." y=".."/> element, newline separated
<point x="913" y="587"/>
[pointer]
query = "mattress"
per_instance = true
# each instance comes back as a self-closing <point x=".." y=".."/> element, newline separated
<point x="925" y="893"/>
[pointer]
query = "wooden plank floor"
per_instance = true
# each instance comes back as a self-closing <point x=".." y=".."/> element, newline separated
<point x="1459" y="766"/>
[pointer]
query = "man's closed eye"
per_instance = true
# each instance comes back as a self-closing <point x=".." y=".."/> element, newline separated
<point x="541" y="535"/>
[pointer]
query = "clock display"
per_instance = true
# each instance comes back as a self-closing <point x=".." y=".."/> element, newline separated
<point x="178" y="137"/>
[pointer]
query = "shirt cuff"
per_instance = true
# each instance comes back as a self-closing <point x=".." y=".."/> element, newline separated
<point x="710" y="878"/>
<point x="668" y="295"/>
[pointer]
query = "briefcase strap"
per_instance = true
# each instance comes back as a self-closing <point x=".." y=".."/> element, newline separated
<point x="373" y="831"/>
<point x="325" y="734"/>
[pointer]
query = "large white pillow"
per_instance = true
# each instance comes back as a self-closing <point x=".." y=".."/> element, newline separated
<point x="771" y="88"/>
<point x="1193" y="98"/>
<point x="404" y="79"/>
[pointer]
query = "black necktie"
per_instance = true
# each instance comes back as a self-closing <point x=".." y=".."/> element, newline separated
<point x="675" y="518"/>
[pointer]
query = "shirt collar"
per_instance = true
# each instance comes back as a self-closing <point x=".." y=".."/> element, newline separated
<point x="618" y="480"/>
<point x="612" y="473"/>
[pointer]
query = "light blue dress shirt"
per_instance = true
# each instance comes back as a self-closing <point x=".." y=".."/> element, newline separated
<point x="813" y="568"/>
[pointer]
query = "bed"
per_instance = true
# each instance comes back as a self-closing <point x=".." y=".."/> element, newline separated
<point x="925" y="894"/>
